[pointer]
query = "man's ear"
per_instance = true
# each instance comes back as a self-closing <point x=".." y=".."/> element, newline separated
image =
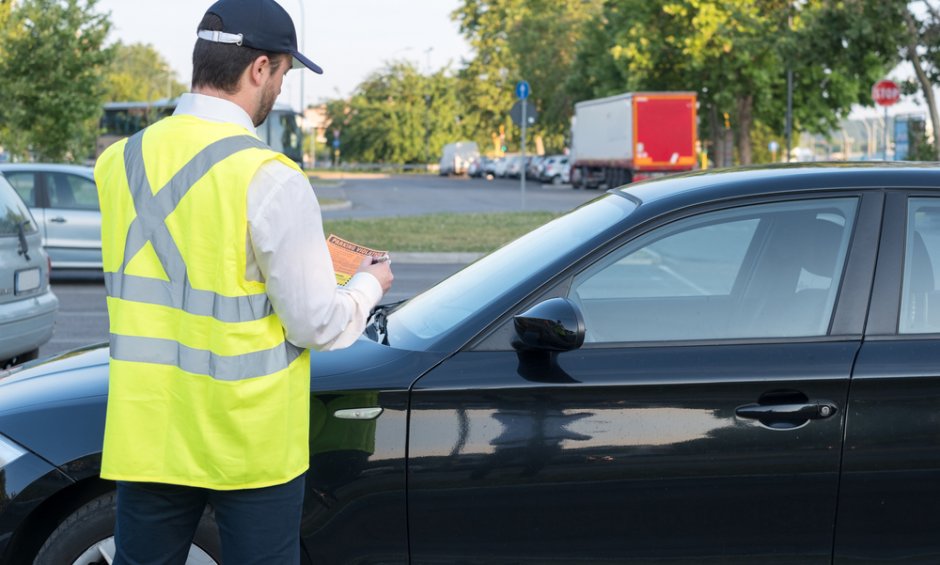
<point x="258" y="69"/>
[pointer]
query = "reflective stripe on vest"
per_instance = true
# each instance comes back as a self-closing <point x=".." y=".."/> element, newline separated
<point x="150" y="226"/>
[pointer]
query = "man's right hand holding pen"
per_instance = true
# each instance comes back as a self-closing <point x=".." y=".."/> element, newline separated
<point x="380" y="268"/>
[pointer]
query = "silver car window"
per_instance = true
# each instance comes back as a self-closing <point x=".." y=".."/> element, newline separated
<point x="25" y="185"/>
<point x="13" y="213"/>
<point x="72" y="192"/>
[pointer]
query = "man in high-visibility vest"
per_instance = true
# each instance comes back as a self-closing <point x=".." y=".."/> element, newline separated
<point x="219" y="280"/>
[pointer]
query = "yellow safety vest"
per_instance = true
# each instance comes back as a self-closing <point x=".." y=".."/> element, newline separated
<point x="204" y="388"/>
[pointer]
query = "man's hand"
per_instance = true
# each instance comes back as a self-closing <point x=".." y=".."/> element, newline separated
<point x="382" y="272"/>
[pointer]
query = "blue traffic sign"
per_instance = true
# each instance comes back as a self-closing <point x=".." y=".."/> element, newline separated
<point x="336" y="144"/>
<point x="522" y="90"/>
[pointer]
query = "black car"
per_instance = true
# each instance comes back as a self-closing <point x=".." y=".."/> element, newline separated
<point x="722" y="367"/>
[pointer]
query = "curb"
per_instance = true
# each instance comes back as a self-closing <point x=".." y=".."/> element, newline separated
<point x="344" y="205"/>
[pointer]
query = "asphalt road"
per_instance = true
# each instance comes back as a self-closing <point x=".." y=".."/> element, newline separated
<point x="83" y="318"/>
<point x="412" y="195"/>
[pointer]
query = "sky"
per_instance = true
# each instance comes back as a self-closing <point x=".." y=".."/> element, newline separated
<point x="349" y="39"/>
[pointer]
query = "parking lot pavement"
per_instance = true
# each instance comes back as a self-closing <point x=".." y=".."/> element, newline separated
<point x="83" y="316"/>
<point x="413" y="195"/>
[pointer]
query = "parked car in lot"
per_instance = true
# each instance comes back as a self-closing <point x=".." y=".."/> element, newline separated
<point x="490" y="166"/>
<point x="475" y="169"/>
<point x="64" y="201"/>
<point x="27" y="305"/>
<point x="533" y="169"/>
<point x="720" y="367"/>
<point x="501" y="168"/>
<point x="480" y="167"/>
<point x="554" y="169"/>
<point x="456" y="157"/>
<point x="514" y="166"/>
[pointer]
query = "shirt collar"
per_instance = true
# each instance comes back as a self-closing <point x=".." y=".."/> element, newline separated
<point x="213" y="109"/>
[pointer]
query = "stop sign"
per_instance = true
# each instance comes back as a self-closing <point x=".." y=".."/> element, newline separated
<point x="885" y="92"/>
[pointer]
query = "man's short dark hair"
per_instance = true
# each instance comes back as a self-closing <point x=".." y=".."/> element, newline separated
<point x="220" y="65"/>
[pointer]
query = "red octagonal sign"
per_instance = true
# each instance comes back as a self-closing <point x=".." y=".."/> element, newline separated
<point x="885" y="92"/>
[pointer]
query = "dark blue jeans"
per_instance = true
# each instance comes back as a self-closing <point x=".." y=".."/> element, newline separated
<point x="156" y="523"/>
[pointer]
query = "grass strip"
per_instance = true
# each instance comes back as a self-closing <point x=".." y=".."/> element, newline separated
<point x="440" y="233"/>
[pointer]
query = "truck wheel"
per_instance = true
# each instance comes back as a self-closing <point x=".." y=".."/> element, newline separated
<point x="577" y="178"/>
<point x="86" y="537"/>
<point x="617" y="175"/>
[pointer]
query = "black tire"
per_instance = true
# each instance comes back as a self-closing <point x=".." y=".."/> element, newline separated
<point x="577" y="178"/>
<point x="22" y="358"/>
<point x="90" y="527"/>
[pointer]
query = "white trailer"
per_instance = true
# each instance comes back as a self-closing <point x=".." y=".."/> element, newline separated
<point x="618" y="139"/>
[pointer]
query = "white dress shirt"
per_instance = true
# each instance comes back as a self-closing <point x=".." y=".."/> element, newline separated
<point x="287" y="249"/>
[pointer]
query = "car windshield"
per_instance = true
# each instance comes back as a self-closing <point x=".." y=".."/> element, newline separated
<point x="436" y="311"/>
<point x="14" y="216"/>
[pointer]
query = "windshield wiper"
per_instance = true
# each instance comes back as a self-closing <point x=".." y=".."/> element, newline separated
<point x="377" y="326"/>
<point x="24" y="245"/>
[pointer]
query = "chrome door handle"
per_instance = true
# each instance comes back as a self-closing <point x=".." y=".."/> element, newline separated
<point x="58" y="220"/>
<point x="809" y="411"/>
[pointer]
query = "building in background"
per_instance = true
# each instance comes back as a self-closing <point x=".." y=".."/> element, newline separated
<point x="863" y="140"/>
<point x="315" y="125"/>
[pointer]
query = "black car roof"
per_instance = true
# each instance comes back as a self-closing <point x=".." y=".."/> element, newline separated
<point x="728" y="183"/>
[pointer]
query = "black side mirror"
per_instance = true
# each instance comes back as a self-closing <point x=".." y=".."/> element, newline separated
<point x="553" y="325"/>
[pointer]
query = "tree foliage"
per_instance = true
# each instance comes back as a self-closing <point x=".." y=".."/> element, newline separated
<point x="736" y="53"/>
<point x="53" y="62"/>
<point x="397" y="115"/>
<point x="513" y="40"/>
<point x="138" y="73"/>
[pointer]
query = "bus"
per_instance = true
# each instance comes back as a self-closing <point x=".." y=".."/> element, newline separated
<point x="281" y="130"/>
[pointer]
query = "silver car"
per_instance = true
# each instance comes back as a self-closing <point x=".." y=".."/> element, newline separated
<point x="64" y="201"/>
<point x="27" y="305"/>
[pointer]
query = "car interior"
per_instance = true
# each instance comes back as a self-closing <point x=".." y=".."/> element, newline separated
<point x="782" y="283"/>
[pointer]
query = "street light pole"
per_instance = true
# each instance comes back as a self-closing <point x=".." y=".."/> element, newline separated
<point x="789" y="124"/>
<point x="303" y="112"/>
<point x="427" y="111"/>
<point x="303" y="49"/>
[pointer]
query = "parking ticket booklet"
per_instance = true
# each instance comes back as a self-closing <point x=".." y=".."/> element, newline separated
<point x="347" y="256"/>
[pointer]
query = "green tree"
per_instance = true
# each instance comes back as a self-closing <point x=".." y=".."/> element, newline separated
<point x="53" y="65"/>
<point x="397" y="115"/>
<point x="735" y="54"/>
<point x="486" y="82"/>
<point x="513" y="40"/>
<point x="138" y="73"/>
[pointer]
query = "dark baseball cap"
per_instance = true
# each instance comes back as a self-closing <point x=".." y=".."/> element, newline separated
<point x="259" y="24"/>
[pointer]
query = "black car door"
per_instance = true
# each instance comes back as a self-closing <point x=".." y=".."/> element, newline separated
<point x="889" y="504"/>
<point x="702" y="419"/>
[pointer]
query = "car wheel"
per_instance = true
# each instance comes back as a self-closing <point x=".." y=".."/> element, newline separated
<point x="86" y="537"/>
<point x="556" y="180"/>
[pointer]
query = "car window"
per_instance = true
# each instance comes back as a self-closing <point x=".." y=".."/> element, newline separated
<point x="71" y="192"/>
<point x="437" y="310"/>
<point x="13" y="213"/>
<point x="769" y="270"/>
<point x="25" y="185"/>
<point x="920" y="301"/>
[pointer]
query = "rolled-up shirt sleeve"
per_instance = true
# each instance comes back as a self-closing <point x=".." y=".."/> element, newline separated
<point x="288" y="251"/>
